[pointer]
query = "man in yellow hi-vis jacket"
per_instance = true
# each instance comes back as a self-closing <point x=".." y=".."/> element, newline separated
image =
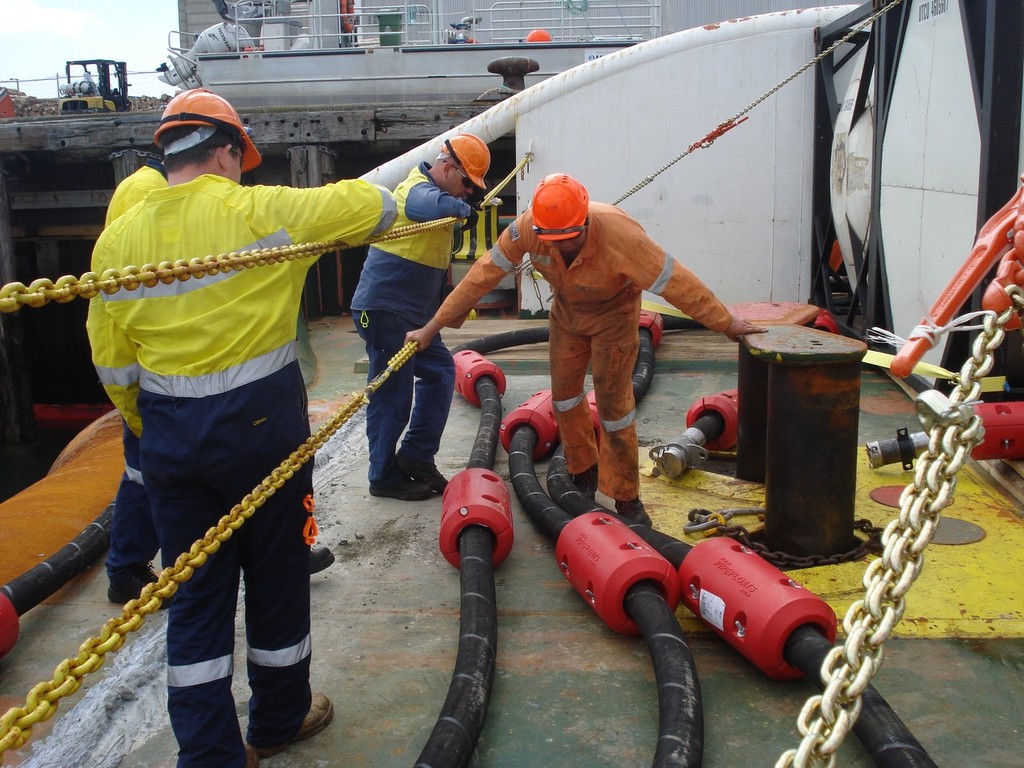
<point x="206" y="372"/>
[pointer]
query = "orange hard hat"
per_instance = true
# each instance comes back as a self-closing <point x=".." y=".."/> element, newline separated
<point x="560" y="207"/>
<point x="538" y="36"/>
<point x="471" y="156"/>
<point x="202" y="107"/>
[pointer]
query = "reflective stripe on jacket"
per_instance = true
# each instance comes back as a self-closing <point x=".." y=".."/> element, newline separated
<point x="198" y="336"/>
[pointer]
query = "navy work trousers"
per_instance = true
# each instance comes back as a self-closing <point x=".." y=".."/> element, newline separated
<point x="133" y="540"/>
<point x="200" y="457"/>
<point x="417" y="395"/>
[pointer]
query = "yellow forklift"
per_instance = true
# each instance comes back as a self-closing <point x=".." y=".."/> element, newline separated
<point x="99" y="85"/>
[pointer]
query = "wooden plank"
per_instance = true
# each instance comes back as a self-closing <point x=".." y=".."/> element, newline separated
<point x="78" y="198"/>
<point x="100" y="134"/>
<point x="423" y="122"/>
<point x="15" y="388"/>
<point x="59" y="231"/>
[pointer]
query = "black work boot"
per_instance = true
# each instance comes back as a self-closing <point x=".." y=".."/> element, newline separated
<point x="130" y="587"/>
<point x="403" y="490"/>
<point x="422" y="472"/>
<point x="320" y="558"/>
<point x="586" y="482"/>
<point x="633" y="512"/>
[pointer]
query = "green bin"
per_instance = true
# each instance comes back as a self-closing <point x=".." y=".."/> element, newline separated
<point x="389" y="22"/>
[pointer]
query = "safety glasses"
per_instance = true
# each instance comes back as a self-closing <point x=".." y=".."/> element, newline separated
<point x="541" y="231"/>
<point x="458" y="166"/>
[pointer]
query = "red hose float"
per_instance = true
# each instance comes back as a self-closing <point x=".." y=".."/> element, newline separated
<point x="1004" y="431"/>
<point x="653" y="322"/>
<point x="602" y="558"/>
<point x="8" y="625"/>
<point x="726" y="405"/>
<point x="476" y="496"/>
<point x="470" y="366"/>
<point x="825" y="321"/>
<point x="750" y="604"/>
<point x="539" y="413"/>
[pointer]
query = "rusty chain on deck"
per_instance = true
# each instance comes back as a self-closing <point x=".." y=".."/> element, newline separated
<point x="954" y="429"/>
<point x="42" y="701"/>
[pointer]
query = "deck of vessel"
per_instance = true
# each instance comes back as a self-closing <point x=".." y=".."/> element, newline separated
<point x="568" y="691"/>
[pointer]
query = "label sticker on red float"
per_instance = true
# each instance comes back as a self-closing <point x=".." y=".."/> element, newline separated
<point x="712" y="609"/>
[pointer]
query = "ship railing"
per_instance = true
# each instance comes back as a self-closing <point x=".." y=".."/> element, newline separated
<point x="318" y="25"/>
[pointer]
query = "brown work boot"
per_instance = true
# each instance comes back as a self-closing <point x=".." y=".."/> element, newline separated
<point x="633" y="512"/>
<point x="321" y="712"/>
<point x="252" y="760"/>
<point x="586" y="482"/>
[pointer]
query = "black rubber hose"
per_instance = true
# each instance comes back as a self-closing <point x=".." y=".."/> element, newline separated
<point x="643" y="369"/>
<point x="673" y="323"/>
<point x="544" y="513"/>
<point x="462" y="717"/>
<point x="710" y="424"/>
<point x="884" y="735"/>
<point x="505" y="340"/>
<point x="681" y="720"/>
<point x="39" y="582"/>
<point x="680" y="711"/>
<point x="487" y="435"/>
<point x="458" y="727"/>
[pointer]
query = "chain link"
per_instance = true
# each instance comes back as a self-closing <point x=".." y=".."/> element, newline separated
<point x="42" y="701"/>
<point x="14" y="296"/>
<point x="715" y="523"/>
<point x="847" y="670"/>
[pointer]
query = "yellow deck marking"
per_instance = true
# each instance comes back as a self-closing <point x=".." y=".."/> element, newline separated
<point x="964" y="590"/>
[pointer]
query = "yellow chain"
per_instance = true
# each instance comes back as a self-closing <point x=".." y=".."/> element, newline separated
<point x="42" y="291"/>
<point x="42" y="701"/>
<point x="848" y="670"/>
<point x="14" y="296"/>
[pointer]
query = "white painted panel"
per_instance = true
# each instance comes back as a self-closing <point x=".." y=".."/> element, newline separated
<point x="930" y="160"/>
<point x="737" y="213"/>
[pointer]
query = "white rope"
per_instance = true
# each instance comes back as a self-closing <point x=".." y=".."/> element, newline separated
<point x="928" y="330"/>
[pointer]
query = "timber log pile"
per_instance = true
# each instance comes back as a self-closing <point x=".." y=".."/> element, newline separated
<point x="30" y="106"/>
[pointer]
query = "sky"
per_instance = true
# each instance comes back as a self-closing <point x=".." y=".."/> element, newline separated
<point x="38" y="36"/>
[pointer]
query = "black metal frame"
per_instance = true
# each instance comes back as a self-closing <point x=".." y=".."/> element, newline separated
<point x="995" y="40"/>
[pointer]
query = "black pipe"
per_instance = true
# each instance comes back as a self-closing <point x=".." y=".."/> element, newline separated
<point x="881" y="731"/>
<point x="505" y="340"/>
<point x="545" y="514"/>
<point x="680" y="710"/>
<point x="458" y="727"/>
<point x="710" y="424"/>
<point x="673" y="323"/>
<point x="40" y="581"/>
<point x="462" y="717"/>
<point x="681" y="719"/>
<point x="485" y="445"/>
<point x="643" y="368"/>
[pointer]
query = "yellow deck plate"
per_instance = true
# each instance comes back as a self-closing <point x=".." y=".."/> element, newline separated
<point x="963" y="590"/>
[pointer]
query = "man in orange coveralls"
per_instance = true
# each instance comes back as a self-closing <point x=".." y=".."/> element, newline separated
<point x="598" y="260"/>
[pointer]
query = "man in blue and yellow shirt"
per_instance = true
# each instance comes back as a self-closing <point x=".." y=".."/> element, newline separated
<point x="400" y="288"/>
